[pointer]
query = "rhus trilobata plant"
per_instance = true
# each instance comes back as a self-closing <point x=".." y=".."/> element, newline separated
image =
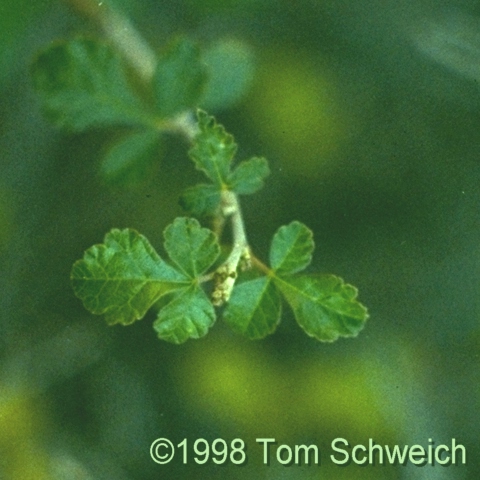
<point x="85" y="83"/>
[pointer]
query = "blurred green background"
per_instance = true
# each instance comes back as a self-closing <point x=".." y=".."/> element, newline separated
<point x="369" y="113"/>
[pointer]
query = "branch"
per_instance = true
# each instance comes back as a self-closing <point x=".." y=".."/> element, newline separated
<point x="118" y="29"/>
<point x="226" y="274"/>
<point x="135" y="50"/>
<point x="142" y="59"/>
<point x="184" y="124"/>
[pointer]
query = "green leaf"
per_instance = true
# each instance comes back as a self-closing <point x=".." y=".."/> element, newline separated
<point x="123" y="277"/>
<point x="254" y="308"/>
<point x="248" y="177"/>
<point x="201" y="200"/>
<point x="324" y="306"/>
<point x="191" y="247"/>
<point x="179" y="79"/>
<point x="128" y="161"/>
<point x="213" y="150"/>
<point x="230" y="68"/>
<point x="82" y="84"/>
<point x="189" y="315"/>
<point x="292" y="248"/>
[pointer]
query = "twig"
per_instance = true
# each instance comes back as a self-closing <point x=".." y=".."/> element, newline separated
<point x="226" y="274"/>
<point x="142" y="59"/>
<point x="123" y="35"/>
<point x="136" y="51"/>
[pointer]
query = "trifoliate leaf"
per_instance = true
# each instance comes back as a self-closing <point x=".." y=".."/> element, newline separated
<point x="292" y="248"/>
<point x="201" y="200"/>
<point x="123" y="277"/>
<point x="213" y="150"/>
<point x="82" y="84"/>
<point x="230" y="74"/>
<point x="179" y="79"/>
<point x="254" y="308"/>
<point x="128" y="161"/>
<point x="324" y="306"/>
<point x="189" y="315"/>
<point x="248" y="177"/>
<point x="191" y="247"/>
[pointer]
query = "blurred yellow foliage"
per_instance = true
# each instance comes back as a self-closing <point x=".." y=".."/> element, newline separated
<point x="295" y="107"/>
<point x="241" y="385"/>
<point x="22" y="457"/>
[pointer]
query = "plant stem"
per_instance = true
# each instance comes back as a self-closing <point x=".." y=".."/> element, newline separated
<point x="142" y="59"/>
<point x="118" y="29"/>
<point x="226" y="274"/>
<point x="185" y="124"/>
<point x="135" y="50"/>
<point x="258" y="264"/>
